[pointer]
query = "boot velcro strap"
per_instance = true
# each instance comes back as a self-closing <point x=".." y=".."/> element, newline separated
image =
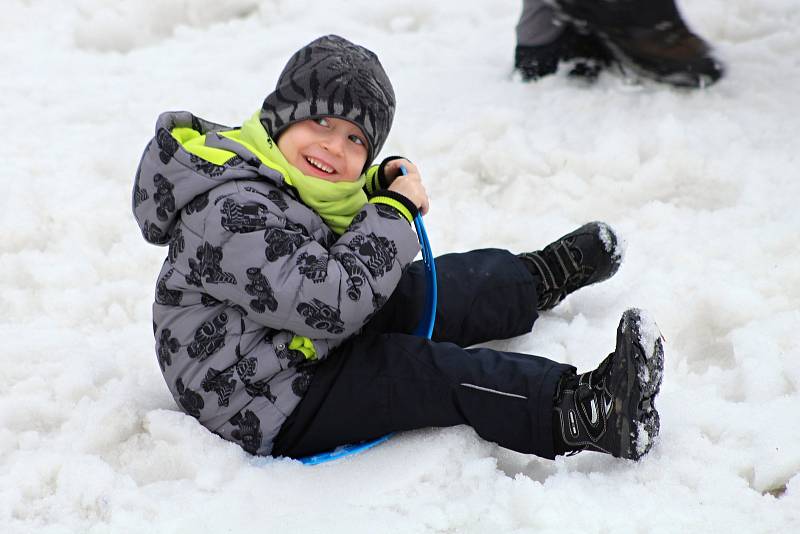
<point x="565" y="259"/>
<point x="548" y="278"/>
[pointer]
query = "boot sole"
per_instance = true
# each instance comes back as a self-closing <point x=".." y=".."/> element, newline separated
<point x="641" y="373"/>
<point x="686" y="78"/>
<point x="678" y="78"/>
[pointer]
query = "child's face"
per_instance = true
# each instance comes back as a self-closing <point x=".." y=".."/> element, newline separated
<point x="328" y="148"/>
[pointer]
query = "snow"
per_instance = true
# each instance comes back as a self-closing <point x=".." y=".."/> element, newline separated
<point x="616" y="247"/>
<point x="702" y="185"/>
<point x="649" y="333"/>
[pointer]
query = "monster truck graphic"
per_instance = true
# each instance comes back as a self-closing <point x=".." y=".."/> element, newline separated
<point x="208" y="266"/>
<point x="378" y="251"/>
<point x="221" y="383"/>
<point x="190" y="401"/>
<point x="259" y="287"/>
<point x="166" y="347"/>
<point x="243" y="218"/>
<point x="209" y="338"/>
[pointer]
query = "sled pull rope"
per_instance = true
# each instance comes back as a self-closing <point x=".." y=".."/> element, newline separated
<point x="424" y="328"/>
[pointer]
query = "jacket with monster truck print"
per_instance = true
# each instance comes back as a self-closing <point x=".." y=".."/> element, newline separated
<point x="256" y="287"/>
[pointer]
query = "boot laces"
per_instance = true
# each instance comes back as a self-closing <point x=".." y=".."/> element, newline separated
<point x="561" y="269"/>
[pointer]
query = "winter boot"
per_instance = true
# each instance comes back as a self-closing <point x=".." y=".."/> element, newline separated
<point x="586" y="54"/>
<point x="611" y="409"/>
<point x="586" y="256"/>
<point x="648" y="36"/>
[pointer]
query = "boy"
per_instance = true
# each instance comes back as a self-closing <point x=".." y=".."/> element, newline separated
<point x="284" y="308"/>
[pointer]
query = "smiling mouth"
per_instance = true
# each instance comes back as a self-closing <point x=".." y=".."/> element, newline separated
<point x="319" y="165"/>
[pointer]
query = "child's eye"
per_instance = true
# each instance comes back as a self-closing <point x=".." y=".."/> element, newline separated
<point x="322" y="121"/>
<point x="357" y="140"/>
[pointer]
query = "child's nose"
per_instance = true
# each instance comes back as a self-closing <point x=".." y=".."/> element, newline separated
<point x="334" y="144"/>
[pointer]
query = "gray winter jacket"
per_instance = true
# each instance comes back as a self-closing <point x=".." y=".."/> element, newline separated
<point x="255" y="288"/>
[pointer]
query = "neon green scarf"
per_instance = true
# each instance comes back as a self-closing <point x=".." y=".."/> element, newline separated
<point x="337" y="203"/>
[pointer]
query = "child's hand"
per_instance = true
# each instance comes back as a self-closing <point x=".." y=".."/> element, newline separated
<point x="410" y="185"/>
<point x="391" y="169"/>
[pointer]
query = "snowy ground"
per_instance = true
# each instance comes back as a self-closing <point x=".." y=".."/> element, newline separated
<point x="703" y="185"/>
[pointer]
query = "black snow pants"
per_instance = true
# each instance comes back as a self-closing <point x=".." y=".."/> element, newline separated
<point x="386" y="380"/>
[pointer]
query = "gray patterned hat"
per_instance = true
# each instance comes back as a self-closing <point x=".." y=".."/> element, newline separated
<point x="333" y="77"/>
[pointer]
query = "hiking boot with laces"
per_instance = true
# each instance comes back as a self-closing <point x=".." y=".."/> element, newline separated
<point x="611" y="409"/>
<point x="647" y="36"/>
<point x="585" y="54"/>
<point x="588" y="255"/>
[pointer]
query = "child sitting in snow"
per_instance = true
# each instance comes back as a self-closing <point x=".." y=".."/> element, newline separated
<point x="285" y="306"/>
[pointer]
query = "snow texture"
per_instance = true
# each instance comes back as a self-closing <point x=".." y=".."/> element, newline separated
<point x="643" y="438"/>
<point x="615" y="247"/>
<point x="704" y="186"/>
<point x="648" y="333"/>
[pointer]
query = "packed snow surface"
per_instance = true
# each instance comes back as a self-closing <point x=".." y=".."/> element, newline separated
<point x="703" y="186"/>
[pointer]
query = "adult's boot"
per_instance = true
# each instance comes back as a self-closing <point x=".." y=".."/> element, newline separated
<point x="648" y="36"/>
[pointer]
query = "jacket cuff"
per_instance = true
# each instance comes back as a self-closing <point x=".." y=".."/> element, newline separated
<point x="376" y="177"/>
<point x="399" y="202"/>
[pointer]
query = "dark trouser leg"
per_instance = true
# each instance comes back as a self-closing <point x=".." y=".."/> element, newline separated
<point x="483" y="295"/>
<point x="377" y="384"/>
<point x="537" y="24"/>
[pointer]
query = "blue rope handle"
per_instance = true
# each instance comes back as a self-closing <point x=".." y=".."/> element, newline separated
<point x="424" y="328"/>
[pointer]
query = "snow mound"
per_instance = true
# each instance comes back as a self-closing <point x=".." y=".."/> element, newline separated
<point x="125" y="25"/>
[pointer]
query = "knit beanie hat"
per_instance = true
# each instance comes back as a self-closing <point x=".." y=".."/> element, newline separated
<point x="333" y="77"/>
